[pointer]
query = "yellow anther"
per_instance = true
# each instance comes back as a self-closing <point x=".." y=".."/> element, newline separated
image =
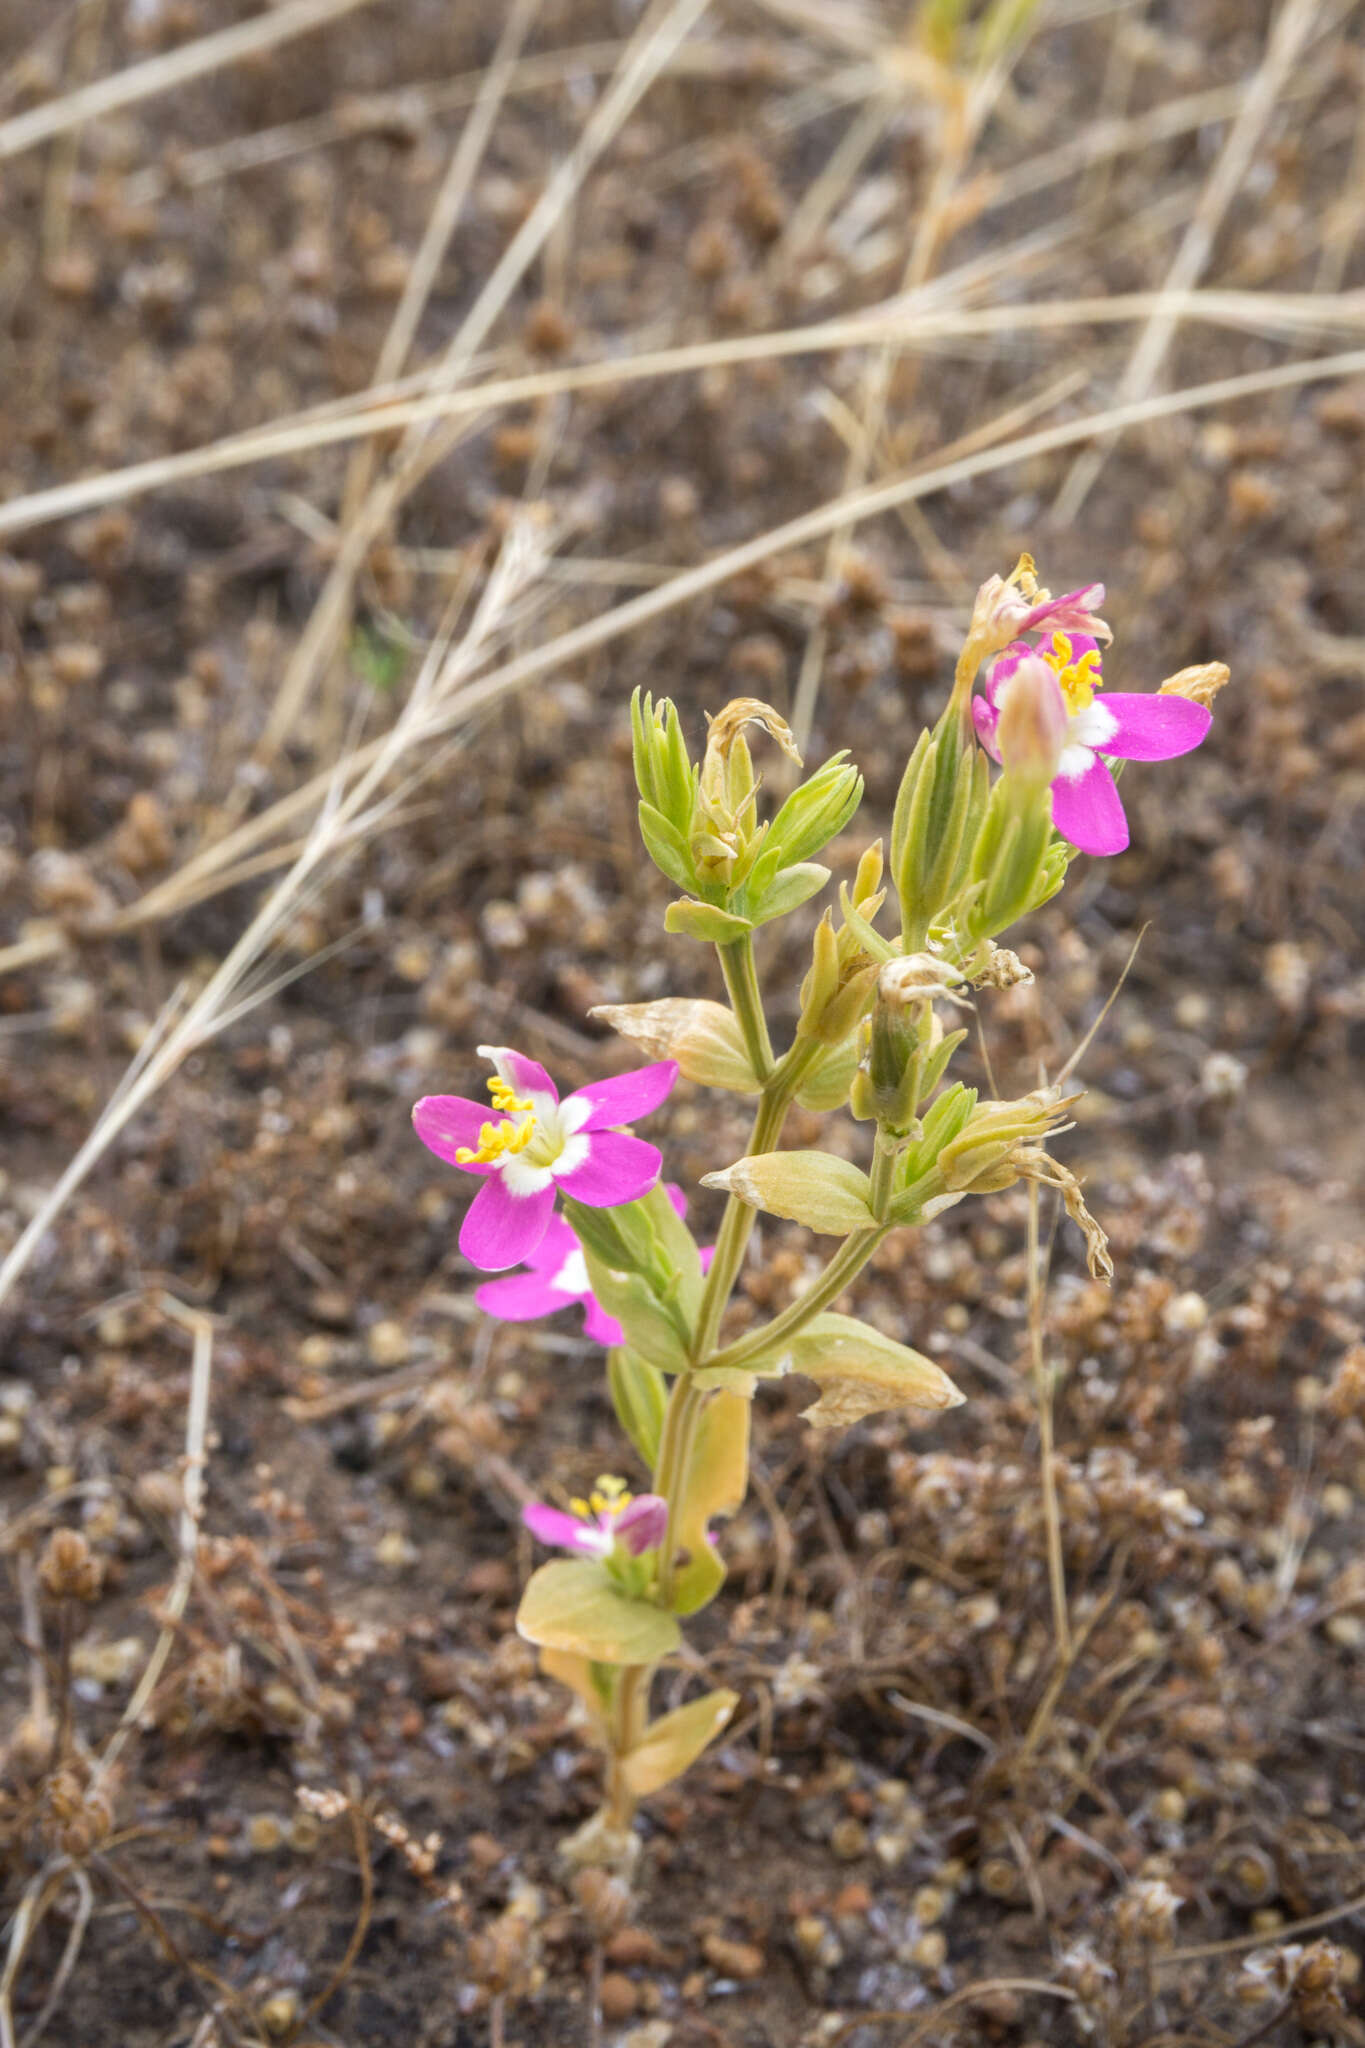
<point x="609" y="1496"/>
<point x="1079" y="679"/>
<point x="497" y="1140"/>
<point x="581" y="1507"/>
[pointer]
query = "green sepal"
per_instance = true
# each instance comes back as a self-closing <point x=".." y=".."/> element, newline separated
<point x="667" y="847"/>
<point x="818" y="810"/>
<point x="639" y="1395"/>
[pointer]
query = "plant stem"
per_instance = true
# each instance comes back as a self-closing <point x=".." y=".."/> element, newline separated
<point x="629" y="1713"/>
<point x="1042" y="1387"/>
<point x="741" y="984"/>
<point x="883" y="1172"/>
<point x="685" y="1404"/>
<point x="852" y="1255"/>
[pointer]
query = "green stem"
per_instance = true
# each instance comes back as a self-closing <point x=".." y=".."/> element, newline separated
<point x="844" y="1267"/>
<point x="883" y="1172"/>
<point x="741" y="983"/>
<point x="628" y="1720"/>
<point x="681" y="1417"/>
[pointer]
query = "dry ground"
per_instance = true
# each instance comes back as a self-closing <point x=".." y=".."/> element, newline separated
<point x="926" y="1824"/>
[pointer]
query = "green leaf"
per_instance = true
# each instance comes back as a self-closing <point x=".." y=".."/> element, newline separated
<point x="573" y="1604"/>
<point x="717" y="1480"/>
<point x="676" y="1740"/>
<point x="705" y="921"/>
<point x="827" y="1194"/>
<point x="639" y="1396"/>
<point x="792" y="887"/>
<point x="859" y="1371"/>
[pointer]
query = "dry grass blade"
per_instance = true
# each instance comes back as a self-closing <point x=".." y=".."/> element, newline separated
<point x="163" y="73"/>
<point x="196" y="1433"/>
<point x="445" y="212"/>
<point x="1291" y="31"/>
<point x="351" y="806"/>
<point x="914" y="320"/>
<point x="648" y="53"/>
<point x="993" y="1987"/>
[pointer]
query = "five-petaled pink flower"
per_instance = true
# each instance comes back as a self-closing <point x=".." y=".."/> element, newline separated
<point x="532" y="1143"/>
<point x="557" y="1275"/>
<point x="1128" y="727"/>
<point x="609" y="1515"/>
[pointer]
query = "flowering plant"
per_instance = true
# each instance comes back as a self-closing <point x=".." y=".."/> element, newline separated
<point x="969" y="855"/>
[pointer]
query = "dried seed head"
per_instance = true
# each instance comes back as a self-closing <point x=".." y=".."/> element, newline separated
<point x="69" y="1569"/>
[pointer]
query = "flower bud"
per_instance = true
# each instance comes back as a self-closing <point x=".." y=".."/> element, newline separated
<point x="942" y="795"/>
<point x="1031" y="731"/>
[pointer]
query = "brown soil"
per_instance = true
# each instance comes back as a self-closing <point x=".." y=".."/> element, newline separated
<point x="907" y="1808"/>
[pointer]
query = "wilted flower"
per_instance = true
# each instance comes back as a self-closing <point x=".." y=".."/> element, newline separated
<point x="533" y="1143"/>
<point x="1129" y="727"/>
<point x="556" y="1276"/>
<point x="594" y="1527"/>
<point x="1007" y="606"/>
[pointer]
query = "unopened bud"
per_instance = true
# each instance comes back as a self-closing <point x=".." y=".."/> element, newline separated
<point x="1032" y="728"/>
<point x="1200" y="684"/>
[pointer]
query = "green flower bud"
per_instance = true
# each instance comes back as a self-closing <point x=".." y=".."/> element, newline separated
<point x="942" y="792"/>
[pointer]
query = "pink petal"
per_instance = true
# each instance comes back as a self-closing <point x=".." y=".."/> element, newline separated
<point x="444" y="1123"/>
<point x="676" y="1197"/>
<point x="708" y="1252"/>
<point x="1003" y="667"/>
<point x="617" y="1169"/>
<point x="626" y="1096"/>
<point x="1087" y="811"/>
<point x="502" y="1229"/>
<point x="986" y="718"/>
<point x="528" y="1077"/>
<point x="1083" y="644"/>
<point x="557" y="1245"/>
<point x="1154" y="728"/>
<point x="1073" y="612"/>
<point x="521" y="1298"/>
<point x="599" y="1327"/>
<point x="643" y="1524"/>
<point x="564" y="1532"/>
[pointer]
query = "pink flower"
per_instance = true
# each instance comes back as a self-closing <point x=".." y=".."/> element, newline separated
<point x="533" y="1143"/>
<point x="1085" y="800"/>
<point x="557" y="1275"/>
<point x="609" y="1515"/>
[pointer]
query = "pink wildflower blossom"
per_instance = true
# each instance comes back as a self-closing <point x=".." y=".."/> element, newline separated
<point x="532" y="1144"/>
<point x="609" y="1515"/>
<point x="557" y="1275"/>
<point x="1128" y="727"/>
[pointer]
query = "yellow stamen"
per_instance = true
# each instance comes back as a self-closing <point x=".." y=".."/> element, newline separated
<point x="1079" y="678"/>
<point x="497" y="1140"/>
<point x="609" y="1496"/>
